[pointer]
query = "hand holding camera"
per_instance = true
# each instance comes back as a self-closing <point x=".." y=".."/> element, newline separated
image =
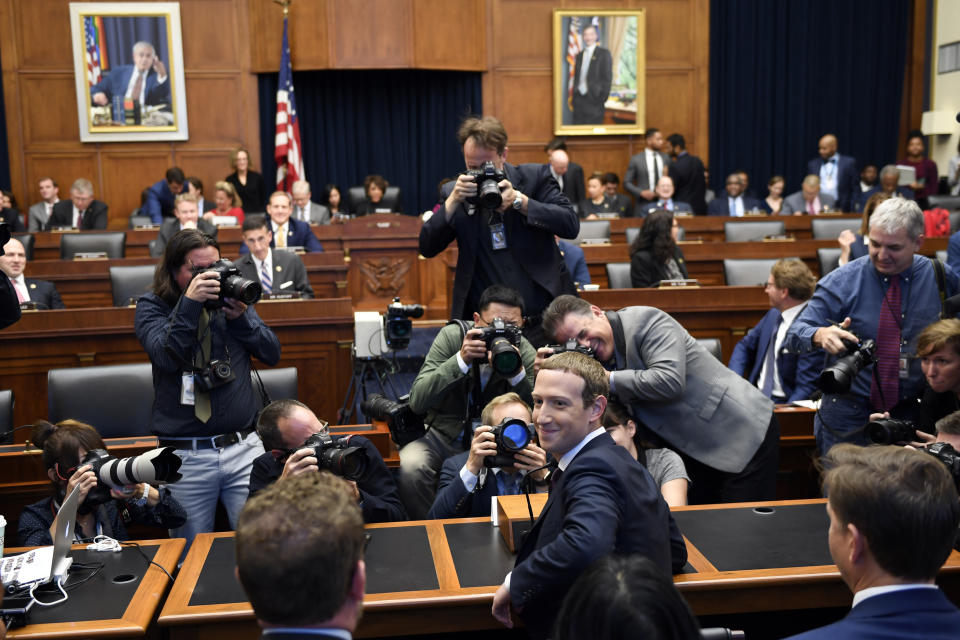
<point x="300" y="461"/>
<point x="482" y="446"/>
<point x="831" y="339"/>
<point x="473" y="347"/>
<point x="84" y="478"/>
<point x="553" y="349"/>
<point x="204" y="287"/>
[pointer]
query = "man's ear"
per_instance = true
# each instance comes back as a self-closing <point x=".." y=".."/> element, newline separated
<point x="857" y="545"/>
<point x="476" y="317"/>
<point x="359" y="582"/>
<point x="599" y="406"/>
<point x="52" y="475"/>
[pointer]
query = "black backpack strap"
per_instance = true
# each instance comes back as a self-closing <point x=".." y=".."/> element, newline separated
<point x="475" y="403"/>
<point x="939" y="273"/>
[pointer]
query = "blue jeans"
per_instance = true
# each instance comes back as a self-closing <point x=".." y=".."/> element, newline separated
<point x="841" y="419"/>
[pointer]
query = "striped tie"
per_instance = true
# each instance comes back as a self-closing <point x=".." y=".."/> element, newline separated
<point x="265" y="278"/>
<point x="885" y="396"/>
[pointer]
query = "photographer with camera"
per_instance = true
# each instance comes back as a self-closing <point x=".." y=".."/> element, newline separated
<point x="502" y="452"/>
<point x="298" y="442"/>
<point x="469" y="364"/>
<point x="103" y="510"/>
<point x="886" y="298"/>
<point x="199" y="331"/>
<point x="504" y="219"/>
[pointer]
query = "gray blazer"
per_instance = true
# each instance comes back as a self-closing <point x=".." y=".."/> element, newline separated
<point x="316" y="214"/>
<point x="37" y="217"/>
<point x="684" y="394"/>
<point x="794" y="203"/>
<point x="288" y="275"/>
<point x="637" y="179"/>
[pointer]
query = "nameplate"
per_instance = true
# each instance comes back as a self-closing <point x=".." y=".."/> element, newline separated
<point x="275" y="297"/>
<point x="680" y="282"/>
<point x="682" y="214"/>
<point x="29" y="305"/>
<point x="608" y="216"/>
<point x="595" y="241"/>
<point x="781" y="237"/>
<point x="298" y="249"/>
<point x="90" y="255"/>
<point x="146" y="226"/>
<point x="755" y="214"/>
<point x="64" y="230"/>
<point x="384" y="225"/>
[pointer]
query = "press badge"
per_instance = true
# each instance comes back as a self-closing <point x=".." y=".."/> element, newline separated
<point x="904" y="367"/>
<point x="186" y="390"/>
<point x="498" y="236"/>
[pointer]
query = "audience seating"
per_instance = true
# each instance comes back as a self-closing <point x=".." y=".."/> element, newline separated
<point x="829" y="259"/>
<point x="632" y="232"/>
<point x="115" y="399"/>
<point x="358" y="196"/>
<point x="281" y="384"/>
<point x="130" y="282"/>
<point x="111" y="242"/>
<point x="6" y="415"/>
<point x="593" y="230"/>
<point x="830" y="228"/>
<point x="712" y="345"/>
<point x="948" y="202"/>
<point x="618" y="275"/>
<point x="747" y="271"/>
<point x="26" y="239"/>
<point x="137" y="220"/>
<point x="748" y="231"/>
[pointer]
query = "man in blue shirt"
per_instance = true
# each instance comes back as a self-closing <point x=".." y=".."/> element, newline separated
<point x="888" y="296"/>
<point x="159" y="203"/>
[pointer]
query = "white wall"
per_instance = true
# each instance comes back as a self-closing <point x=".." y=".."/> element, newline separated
<point x="945" y="89"/>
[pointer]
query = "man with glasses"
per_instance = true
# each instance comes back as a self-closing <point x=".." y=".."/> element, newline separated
<point x="81" y="211"/>
<point x="285" y="425"/>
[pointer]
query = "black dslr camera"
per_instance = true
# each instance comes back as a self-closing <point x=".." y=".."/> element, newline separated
<point x="571" y="345"/>
<point x="511" y="436"/>
<point x="891" y="431"/>
<point x="216" y="374"/>
<point x="156" y="465"/>
<point x="337" y="456"/>
<point x="945" y="453"/>
<point x="405" y="425"/>
<point x="838" y="377"/>
<point x="398" y="326"/>
<point x="503" y="343"/>
<point x="232" y="284"/>
<point x="488" y="179"/>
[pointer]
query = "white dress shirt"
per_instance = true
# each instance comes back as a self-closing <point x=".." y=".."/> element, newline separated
<point x="584" y="67"/>
<point x="788" y="317"/>
<point x="21" y="286"/>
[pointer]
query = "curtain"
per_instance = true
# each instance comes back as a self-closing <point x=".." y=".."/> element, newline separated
<point x="4" y="154"/>
<point x="121" y="33"/>
<point x="783" y="73"/>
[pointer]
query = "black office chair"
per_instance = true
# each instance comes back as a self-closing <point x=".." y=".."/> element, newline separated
<point x="593" y="230"/>
<point x="747" y="271"/>
<point x="829" y="259"/>
<point x="357" y="197"/>
<point x="618" y="275"/>
<point x="138" y="219"/>
<point x="155" y="248"/>
<point x="954" y="221"/>
<point x="712" y="345"/>
<point x="130" y="282"/>
<point x="26" y="239"/>
<point x="280" y="384"/>
<point x="749" y="231"/>
<point x="6" y="415"/>
<point x="113" y="243"/>
<point x="948" y="202"/>
<point x="116" y="399"/>
<point x="830" y="228"/>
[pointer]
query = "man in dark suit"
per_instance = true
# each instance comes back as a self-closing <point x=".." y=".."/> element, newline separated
<point x="593" y="73"/>
<point x="644" y="171"/>
<point x="186" y="216"/>
<point x="278" y="271"/>
<point x="284" y="426"/>
<point x="308" y="526"/>
<point x="781" y="375"/>
<point x="734" y="203"/>
<point x="161" y="195"/>
<point x="687" y="173"/>
<point x="12" y="263"/>
<point x="722" y="426"/>
<point x="304" y="209"/>
<point x="287" y="231"/>
<point x="195" y="188"/>
<point x="145" y="81"/>
<point x="619" y="202"/>
<point x="838" y="173"/>
<point x="893" y="522"/>
<point x="468" y="484"/>
<point x="560" y="170"/>
<point x="810" y="200"/>
<point x="81" y="211"/>
<point x="666" y="200"/>
<point x="513" y="243"/>
<point x="601" y="500"/>
<point x="573" y="179"/>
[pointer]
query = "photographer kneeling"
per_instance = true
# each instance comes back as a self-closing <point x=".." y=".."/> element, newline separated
<point x="65" y="446"/>
<point x="298" y="442"/>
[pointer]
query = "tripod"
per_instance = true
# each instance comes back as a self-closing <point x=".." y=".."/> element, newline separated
<point x="377" y="366"/>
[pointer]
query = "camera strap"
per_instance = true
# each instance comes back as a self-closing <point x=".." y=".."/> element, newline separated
<point x="939" y="273"/>
<point x="473" y="405"/>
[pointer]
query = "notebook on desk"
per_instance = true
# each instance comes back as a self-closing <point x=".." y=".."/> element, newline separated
<point x="40" y="565"/>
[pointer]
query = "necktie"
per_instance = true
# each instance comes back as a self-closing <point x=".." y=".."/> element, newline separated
<point x="302" y="213"/>
<point x="137" y="87"/>
<point x="282" y="236"/>
<point x="888" y="350"/>
<point x="17" y="289"/>
<point x="507" y="483"/>
<point x="656" y="170"/>
<point x="265" y="278"/>
<point x="80" y="219"/>
<point x="810" y="208"/>
<point x="771" y="359"/>
<point x="201" y="406"/>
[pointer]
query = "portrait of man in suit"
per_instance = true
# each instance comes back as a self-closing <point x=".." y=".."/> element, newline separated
<point x="593" y="75"/>
<point x="145" y="81"/>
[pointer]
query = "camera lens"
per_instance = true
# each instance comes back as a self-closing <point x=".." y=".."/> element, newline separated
<point x="515" y="436"/>
<point x="246" y="291"/>
<point x="490" y="196"/>
<point x="505" y="358"/>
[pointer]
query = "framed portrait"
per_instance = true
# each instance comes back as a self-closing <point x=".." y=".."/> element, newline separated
<point x="599" y="72"/>
<point x="128" y="68"/>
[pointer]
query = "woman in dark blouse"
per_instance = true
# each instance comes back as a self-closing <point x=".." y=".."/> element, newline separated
<point x="333" y="201"/>
<point x="248" y="183"/>
<point x="926" y="182"/>
<point x="375" y="186"/>
<point x="655" y="256"/>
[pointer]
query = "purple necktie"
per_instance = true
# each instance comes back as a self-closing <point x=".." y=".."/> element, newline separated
<point x="888" y="350"/>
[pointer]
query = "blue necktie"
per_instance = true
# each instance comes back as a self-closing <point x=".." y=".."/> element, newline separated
<point x="265" y="278"/>
<point x="507" y="483"/>
<point x="771" y="359"/>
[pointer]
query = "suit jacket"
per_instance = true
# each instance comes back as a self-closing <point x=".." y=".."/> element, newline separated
<point x="860" y="199"/>
<point x="678" y="207"/>
<point x="848" y="179"/>
<point x="688" y="181"/>
<point x="720" y="206"/>
<point x="298" y="235"/>
<point x="453" y="500"/>
<point x="637" y="179"/>
<point x="684" y="394"/>
<point x="530" y="238"/>
<point x="647" y="272"/>
<point x="599" y="75"/>
<point x="289" y="274"/>
<point x="794" y="203"/>
<point x="205" y="206"/>
<point x="912" y="614"/>
<point x="573" y="183"/>
<point x="9" y="305"/>
<point x="576" y="262"/>
<point x="115" y="84"/>
<point x="94" y="218"/>
<point x="159" y="203"/>
<point x="45" y="293"/>
<point x="797" y="372"/>
<point x="316" y="213"/>
<point x="171" y="227"/>
<point x="12" y="218"/>
<point x="37" y="217"/>
<point x="604" y="502"/>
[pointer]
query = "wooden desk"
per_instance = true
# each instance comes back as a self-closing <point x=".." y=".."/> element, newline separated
<point x="710" y="228"/>
<point x="73" y="619"/>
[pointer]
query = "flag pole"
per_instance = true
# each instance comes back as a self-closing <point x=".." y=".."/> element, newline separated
<point x="286" y="6"/>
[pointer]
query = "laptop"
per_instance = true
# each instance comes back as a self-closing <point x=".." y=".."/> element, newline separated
<point x="39" y="566"/>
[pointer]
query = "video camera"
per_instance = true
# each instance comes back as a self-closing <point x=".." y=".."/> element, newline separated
<point x="398" y="326"/>
<point x="157" y="465"/>
<point x="571" y="345"/>
<point x="488" y="179"/>
<point x="511" y="436"/>
<point x="337" y="456"/>
<point x="891" y="431"/>
<point x="405" y="425"/>
<point x="232" y="284"/>
<point x="503" y="343"/>
<point x="838" y="377"/>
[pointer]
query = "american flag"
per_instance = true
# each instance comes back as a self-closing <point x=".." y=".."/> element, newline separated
<point x="287" y="142"/>
<point x="94" y="75"/>
<point x="574" y="46"/>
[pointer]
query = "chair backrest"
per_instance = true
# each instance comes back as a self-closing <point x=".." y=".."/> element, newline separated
<point x="26" y="239"/>
<point x="280" y="384"/>
<point x="116" y="399"/>
<point x="633" y="232"/>
<point x="155" y="247"/>
<point x="942" y="255"/>
<point x="618" y="275"/>
<point x="6" y="415"/>
<point x="111" y="242"/>
<point x="747" y="271"/>
<point x="130" y="282"/>
<point x="712" y="345"/>
<point x="747" y="231"/>
<point x="593" y="230"/>
<point x="357" y="196"/>
<point x="137" y="220"/>
<point x="830" y="228"/>
<point x="948" y="202"/>
<point x="829" y="259"/>
<point x="954" y="221"/>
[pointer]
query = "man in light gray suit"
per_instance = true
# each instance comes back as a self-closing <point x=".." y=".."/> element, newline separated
<point x="722" y="425"/>
<point x="809" y="200"/>
<point x="39" y="213"/>
<point x="278" y="271"/>
<point x="644" y="172"/>
<point x="304" y="209"/>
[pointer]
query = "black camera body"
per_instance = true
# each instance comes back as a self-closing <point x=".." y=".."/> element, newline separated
<point x="511" y="436"/>
<point x="488" y="179"/>
<point x="945" y="453"/>
<point x="891" y="431"/>
<point x="571" y="345"/>
<point x="337" y="456"/>
<point x="503" y="343"/>
<point x="405" y="425"/>
<point x="156" y="465"/>
<point x="838" y="377"/>
<point x="216" y="374"/>
<point x="232" y="284"/>
<point x="398" y="326"/>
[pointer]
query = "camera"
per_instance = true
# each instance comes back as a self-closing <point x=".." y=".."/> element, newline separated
<point x="216" y="374"/>
<point x="945" y="453"/>
<point x="503" y="343"/>
<point x="838" y="377"/>
<point x="398" y="327"/>
<point x="571" y="345"/>
<point x="891" y="431"/>
<point x="405" y="425"/>
<point x="232" y="284"/>
<point x="337" y="456"/>
<point x="511" y="436"/>
<point x="488" y="179"/>
<point x="157" y="465"/>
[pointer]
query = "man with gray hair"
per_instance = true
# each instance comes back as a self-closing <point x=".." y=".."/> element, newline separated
<point x="888" y="298"/>
<point x="304" y="209"/>
<point x="81" y="211"/>
<point x="888" y="184"/>
<point x="809" y="200"/>
<point x="144" y="81"/>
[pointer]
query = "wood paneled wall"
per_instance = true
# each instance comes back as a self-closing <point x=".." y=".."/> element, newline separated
<point x="41" y="107"/>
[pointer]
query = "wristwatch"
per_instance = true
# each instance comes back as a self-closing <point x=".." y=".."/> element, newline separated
<point x="518" y="202"/>
<point x="142" y="500"/>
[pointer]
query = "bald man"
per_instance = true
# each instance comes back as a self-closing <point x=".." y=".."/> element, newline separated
<point x="559" y="163"/>
<point x="12" y="263"/>
<point x="838" y="173"/>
